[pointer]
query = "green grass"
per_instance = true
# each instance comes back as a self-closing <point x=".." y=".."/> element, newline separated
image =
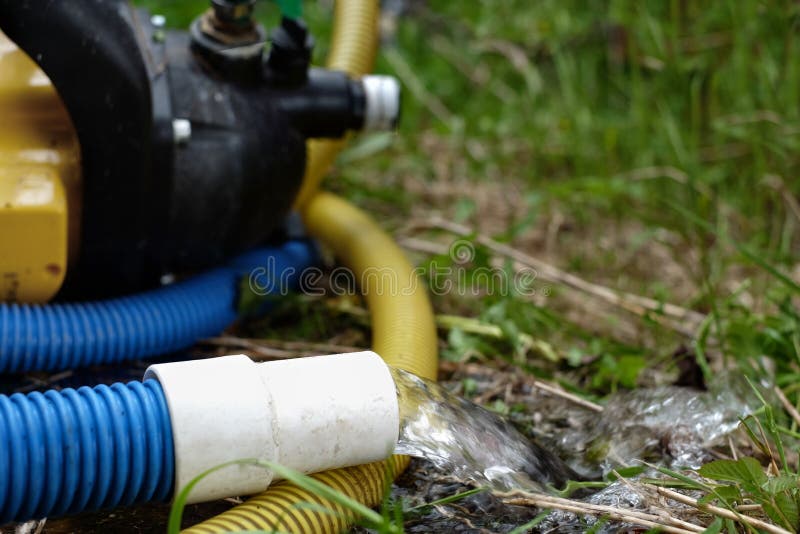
<point x="667" y="127"/>
<point x="647" y="146"/>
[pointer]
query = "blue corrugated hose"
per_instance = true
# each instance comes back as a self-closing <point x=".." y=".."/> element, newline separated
<point x="69" y="451"/>
<point x="66" y="336"/>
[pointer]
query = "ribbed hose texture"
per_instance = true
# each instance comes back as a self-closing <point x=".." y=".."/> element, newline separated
<point x="354" y="45"/>
<point x="70" y="451"/>
<point x="281" y="508"/>
<point x="67" y="336"/>
<point x="404" y="334"/>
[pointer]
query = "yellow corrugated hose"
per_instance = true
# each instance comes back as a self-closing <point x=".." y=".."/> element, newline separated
<point x="353" y="46"/>
<point x="404" y="332"/>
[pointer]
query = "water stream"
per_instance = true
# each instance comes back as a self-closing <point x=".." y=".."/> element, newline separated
<point x="670" y="426"/>
<point x="470" y="442"/>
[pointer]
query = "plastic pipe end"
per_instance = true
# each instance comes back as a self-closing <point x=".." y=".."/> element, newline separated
<point x="219" y="412"/>
<point x="332" y="411"/>
<point x="382" y="95"/>
<point x="309" y="414"/>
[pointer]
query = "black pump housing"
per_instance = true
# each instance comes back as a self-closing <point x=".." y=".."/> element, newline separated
<point x="155" y="200"/>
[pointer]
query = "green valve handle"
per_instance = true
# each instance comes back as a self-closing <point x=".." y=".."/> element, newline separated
<point x="291" y="9"/>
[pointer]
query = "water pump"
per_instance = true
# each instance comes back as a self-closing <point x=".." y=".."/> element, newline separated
<point x="155" y="151"/>
<point x="97" y="149"/>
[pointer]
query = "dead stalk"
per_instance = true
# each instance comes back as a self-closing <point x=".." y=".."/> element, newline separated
<point x="276" y="349"/>
<point x="636" y="304"/>
<point x="787" y="405"/>
<point x="665" y="524"/>
<point x="721" y="512"/>
<point x="557" y="391"/>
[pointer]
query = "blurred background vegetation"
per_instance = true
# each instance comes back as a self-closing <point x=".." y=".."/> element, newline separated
<point x="645" y="147"/>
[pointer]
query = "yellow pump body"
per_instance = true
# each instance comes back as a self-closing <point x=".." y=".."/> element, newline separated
<point x="40" y="180"/>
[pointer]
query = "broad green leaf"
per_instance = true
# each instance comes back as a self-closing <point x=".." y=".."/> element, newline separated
<point x="784" y="512"/>
<point x="714" y="527"/>
<point x="781" y="483"/>
<point x="746" y="471"/>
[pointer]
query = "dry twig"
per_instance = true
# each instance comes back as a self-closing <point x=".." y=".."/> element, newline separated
<point x="276" y="349"/>
<point x="788" y="406"/>
<point x="665" y="523"/>
<point x="557" y="391"/>
<point x="678" y="318"/>
<point x="721" y="512"/>
<point x="544" y="385"/>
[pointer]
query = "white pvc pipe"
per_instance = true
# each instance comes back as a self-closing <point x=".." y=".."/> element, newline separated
<point x="382" y="109"/>
<point x="310" y="414"/>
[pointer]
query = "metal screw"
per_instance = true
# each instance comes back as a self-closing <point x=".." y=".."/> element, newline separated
<point x="181" y="131"/>
<point x="158" y="21"/>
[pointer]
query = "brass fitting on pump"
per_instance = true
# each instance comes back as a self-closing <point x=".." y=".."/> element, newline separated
<point x="231" y="20"/>
<point x="229" y="39"/>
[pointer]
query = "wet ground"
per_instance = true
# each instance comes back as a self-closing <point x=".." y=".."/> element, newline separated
<point x="419" y="485"/>
<point x="555" y="422"/>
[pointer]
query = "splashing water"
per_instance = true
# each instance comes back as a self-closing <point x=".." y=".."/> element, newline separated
<point x="670" y="426"/>
<point x="470" y="442"/>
